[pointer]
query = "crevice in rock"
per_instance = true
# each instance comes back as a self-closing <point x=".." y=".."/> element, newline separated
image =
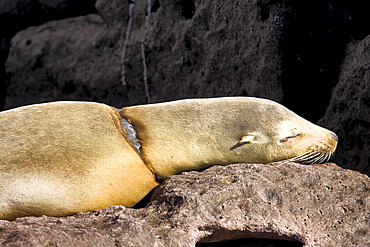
<point x="252" y="242"/>
<point x="223" y="237"/>
<point x="313" y="46"/>
<point x="156" y="6"/>
<point x="264" y="12"/>
<point x="143" y="203"/>
<point x="187" y="8"/>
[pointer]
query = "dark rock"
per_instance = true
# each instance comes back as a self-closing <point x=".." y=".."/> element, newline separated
<point x="4" y="49"/>
<point x="313" y="47"/>
<point x="61" y="57"/>
<point x="316" y="205"/>
<point x="208" y="50"/>
<point x="16" y="15"/>
<point x="282" y="50"/>
<point x="24" y="13"/>
<point x="349" y="111"/>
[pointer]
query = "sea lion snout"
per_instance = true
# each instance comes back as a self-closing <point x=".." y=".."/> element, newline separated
<point x="320" y="145"/>
<point x="331" y="142"/>
<point x="335" y="137"/>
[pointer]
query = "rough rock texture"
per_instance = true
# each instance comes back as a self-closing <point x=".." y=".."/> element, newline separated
<point x="16" y="15"/>
<point x="317" y="205"/>
<point x="349" y="111"/>
<point x="44" y="49"/>
<point x="208" y="50"/>
<point x="24" y="13"/>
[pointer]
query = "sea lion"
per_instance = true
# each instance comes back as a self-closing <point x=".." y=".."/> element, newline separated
<point x="66" y="157"/>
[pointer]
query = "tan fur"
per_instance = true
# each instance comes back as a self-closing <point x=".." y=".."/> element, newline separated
<point x="67" y="157"/>
<point x="196" y="133"/>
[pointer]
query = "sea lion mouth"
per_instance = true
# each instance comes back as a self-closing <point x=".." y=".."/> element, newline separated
<point x="317" y="155"/>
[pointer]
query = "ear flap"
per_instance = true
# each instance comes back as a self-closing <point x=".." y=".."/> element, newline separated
<point x="246" y="139"/>
<point x="243" y="140"/>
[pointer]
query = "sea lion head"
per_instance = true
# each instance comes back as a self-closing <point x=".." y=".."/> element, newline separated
<point x="285" y="136"/>
<point x="296" y="136"/>
<point x="296" y="140"/>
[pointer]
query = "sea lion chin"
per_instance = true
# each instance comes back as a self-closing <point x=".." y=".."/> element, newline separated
<point x="62" y="158"/>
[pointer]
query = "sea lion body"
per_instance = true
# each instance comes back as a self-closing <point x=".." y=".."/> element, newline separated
<point x="67" y="157"/>
<point x="61" y="158"/>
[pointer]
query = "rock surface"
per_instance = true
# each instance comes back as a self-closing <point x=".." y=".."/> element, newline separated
<point x="317" y="205"/>
<point x="349" y="111"/>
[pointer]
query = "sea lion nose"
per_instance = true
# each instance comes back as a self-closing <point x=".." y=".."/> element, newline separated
<point x="335" y="137"/>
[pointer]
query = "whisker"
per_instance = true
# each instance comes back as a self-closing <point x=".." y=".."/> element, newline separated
<point x="317" y="155"/>
<point x="319" y="159"/>
<point x="322" y="158"/>
<point x="302" y="156"/>
<point x="312" y="158"/>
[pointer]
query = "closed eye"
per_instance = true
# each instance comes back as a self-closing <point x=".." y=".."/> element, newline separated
<point x="289" y="138"/>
